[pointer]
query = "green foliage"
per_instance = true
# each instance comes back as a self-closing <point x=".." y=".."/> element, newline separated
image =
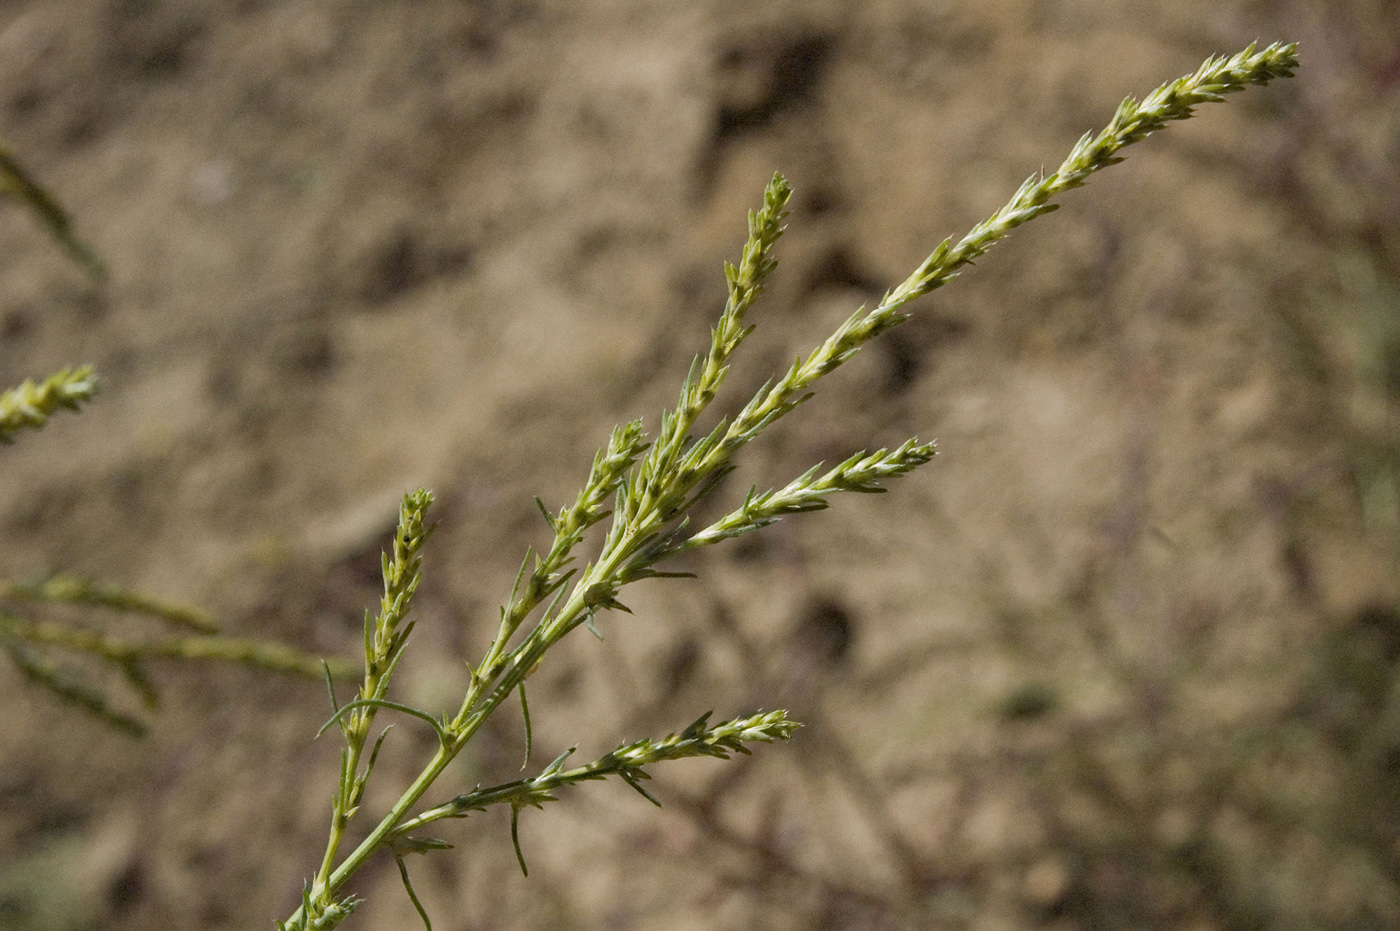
<point x="654" y="486"/>
<point x="32" y="404"/>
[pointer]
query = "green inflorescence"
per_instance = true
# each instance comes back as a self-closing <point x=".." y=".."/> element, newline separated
<point x="647" y="490"/>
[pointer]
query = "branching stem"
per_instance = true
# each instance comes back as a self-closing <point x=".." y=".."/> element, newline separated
<point x="654" y="490"/>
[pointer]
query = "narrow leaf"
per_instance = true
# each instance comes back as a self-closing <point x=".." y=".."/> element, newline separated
<point x="384" y="703"/>
<point x="525" y="710"/>
<point x="631" y="779"/>
<point x="515" y="839"/>
<point x="408" y="887"/>
<point x="374" y="753"/>
<point x="548" y="517"/>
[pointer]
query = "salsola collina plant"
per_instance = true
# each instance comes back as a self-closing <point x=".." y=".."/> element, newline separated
<point x="32" y="640"/>
<point x="649" y="488"/>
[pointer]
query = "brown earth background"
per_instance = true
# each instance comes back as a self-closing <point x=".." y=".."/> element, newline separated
<point x="1123" y="656"/>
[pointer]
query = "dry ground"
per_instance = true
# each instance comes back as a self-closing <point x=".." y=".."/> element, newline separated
<point x="1121" y="657"/>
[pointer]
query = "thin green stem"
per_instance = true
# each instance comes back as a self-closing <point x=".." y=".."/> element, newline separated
<point x="382" y="833"/>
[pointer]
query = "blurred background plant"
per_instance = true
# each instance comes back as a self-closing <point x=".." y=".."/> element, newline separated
<point x="31" y="643"/>
<point x="17" y="185"/>
<point x="1123" y="659"/>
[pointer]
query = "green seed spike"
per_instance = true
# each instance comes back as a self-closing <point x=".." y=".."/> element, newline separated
<point x="30" y="405"/>
<point x="656" y="487"/>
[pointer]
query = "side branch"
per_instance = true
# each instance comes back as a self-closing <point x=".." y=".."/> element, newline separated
<point x="32" y="404"/>
<point x="627" y="762"/>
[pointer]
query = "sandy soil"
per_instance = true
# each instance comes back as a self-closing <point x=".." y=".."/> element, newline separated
<point x="1121" y="657"/>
